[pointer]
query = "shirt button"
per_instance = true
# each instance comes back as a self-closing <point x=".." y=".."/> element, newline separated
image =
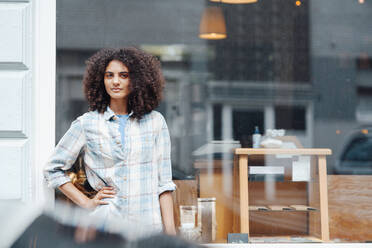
<point x="125" y="178"/>
<point x="123" y="196"/>
<point x="117" y="142"/>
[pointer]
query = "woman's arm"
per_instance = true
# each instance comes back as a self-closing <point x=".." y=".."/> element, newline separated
<point x="63" y="158"/>
<point x="166" y="207"/>
<point x="166" y="186"/>
<point x="75" y="195"/>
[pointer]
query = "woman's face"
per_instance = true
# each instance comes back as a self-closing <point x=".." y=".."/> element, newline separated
<point x="116" y="80"/>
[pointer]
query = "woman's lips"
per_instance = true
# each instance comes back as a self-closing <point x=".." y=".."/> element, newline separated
<point x="116" y="89"/>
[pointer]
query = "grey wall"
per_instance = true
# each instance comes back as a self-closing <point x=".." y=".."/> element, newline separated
<point x="340" y="28"/>
<point x="91" y="24"/>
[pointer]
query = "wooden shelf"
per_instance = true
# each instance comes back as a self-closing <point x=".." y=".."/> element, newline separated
<point x="282" y="208"/>
<point x="303" y="208"/>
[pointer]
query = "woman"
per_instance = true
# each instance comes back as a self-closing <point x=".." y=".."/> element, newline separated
<point x="125" y="143"/>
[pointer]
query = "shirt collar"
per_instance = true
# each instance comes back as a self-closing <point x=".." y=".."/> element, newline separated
<point x="108" y="114"/>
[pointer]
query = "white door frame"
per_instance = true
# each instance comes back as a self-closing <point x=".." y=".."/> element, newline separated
<point x="44" y="84"/>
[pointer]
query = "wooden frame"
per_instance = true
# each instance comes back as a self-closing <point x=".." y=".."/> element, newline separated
<point x="241" y="191"/>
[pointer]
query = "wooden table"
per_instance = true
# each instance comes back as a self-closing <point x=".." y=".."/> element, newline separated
<point x="241" y="191"/>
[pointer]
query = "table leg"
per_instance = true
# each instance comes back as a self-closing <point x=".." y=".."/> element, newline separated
<point x="323" y="190"/>
<point x="244" y="204"/>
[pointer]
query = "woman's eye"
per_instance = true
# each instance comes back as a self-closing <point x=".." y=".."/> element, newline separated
<point x="124" y="75"/>
<point x="108" y="76"/>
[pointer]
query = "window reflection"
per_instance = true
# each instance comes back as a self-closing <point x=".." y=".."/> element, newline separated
<point x="301" y="66"/>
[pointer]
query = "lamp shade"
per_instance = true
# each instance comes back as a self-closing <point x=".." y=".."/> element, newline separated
<point x="235" y="1"/>
<point x="212" y="24"/>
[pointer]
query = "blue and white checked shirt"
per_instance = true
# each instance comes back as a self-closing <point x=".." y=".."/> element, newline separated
<point x="140" y="168"/>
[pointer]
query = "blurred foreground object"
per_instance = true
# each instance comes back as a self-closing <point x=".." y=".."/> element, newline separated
<point x="47" y="232"/>
<point x="67" y="226"/>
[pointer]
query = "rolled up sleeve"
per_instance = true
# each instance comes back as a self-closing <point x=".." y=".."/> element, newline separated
<point x="164" y="161"/>
<point x="64" y="156"/>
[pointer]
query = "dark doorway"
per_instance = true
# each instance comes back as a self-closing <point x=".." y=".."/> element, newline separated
<point x="244" y="122"/>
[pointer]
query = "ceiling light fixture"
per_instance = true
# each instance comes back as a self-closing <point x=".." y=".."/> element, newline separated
<point x="235" y="1"/>
<point x="212" y="24"/>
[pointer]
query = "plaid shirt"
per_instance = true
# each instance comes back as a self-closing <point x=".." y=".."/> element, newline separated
<point x="140" y="169"/>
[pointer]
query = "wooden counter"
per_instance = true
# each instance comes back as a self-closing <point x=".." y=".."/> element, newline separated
<point x="349" y="202"/>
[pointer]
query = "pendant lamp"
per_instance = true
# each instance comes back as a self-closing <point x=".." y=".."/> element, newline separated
<point x="235" y="1"/>
<point x="212" y="24"/>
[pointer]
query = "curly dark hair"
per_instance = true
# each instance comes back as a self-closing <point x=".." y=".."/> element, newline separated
<point x="146" y="80"/>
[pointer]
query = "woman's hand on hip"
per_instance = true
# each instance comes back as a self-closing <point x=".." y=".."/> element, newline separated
<point x="105" y="192"/>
